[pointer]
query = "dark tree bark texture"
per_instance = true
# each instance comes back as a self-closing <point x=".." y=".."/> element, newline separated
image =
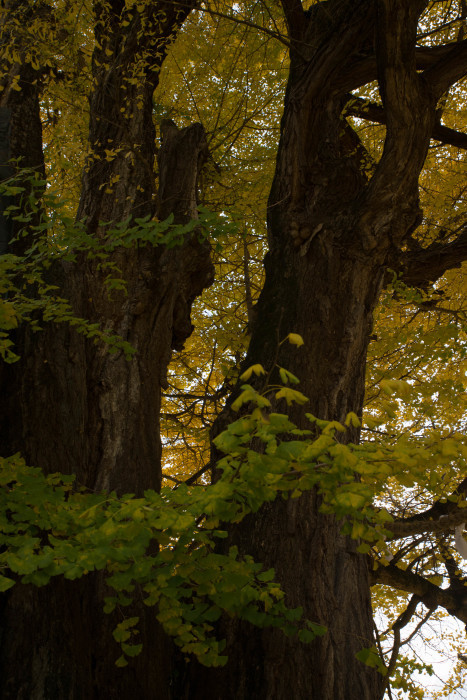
<point x="73" y="407"/>
<point x="333" y="229"/>
<point x="334" y="224"/>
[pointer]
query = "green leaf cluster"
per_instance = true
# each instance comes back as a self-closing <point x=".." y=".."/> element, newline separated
<point x="155" y="543"/>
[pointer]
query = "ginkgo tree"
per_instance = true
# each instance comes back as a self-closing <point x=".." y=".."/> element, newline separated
<point x="330" y="386"/>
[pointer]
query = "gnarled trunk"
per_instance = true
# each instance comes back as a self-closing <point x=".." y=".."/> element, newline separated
<point x="332" y="228"/>
<point x="74" y="407"/>
<point x="334" y="223"/>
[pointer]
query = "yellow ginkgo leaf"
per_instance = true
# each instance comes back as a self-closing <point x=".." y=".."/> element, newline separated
<point x="254" y="369"/>
<point x="295" y="339"/>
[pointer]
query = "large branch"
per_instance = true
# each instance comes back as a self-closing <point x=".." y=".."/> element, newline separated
<point x="441" y="508"/>
<point x="452" y="599"/>
<point x="361" y="108"/>
<point x="420" y="268"/>
<point x="442" y="516"/>
<point x="364" y="70"/>
<point x="430" y="56"/>
<point x="410" y="117"/>
<point x="295" y="18"/>
<point x="399" y="84"/>
<point x="448" y="70"/>
<point x="420" y="524"/>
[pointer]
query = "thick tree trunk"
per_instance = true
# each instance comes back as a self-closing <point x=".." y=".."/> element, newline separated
<point x="75" y="408"/>
<point x="324" y="288"/>
<point x="102" y="423"/>
<point x="331" y="228"/>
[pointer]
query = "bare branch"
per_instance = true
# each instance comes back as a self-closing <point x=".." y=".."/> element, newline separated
<point x="246" y="22"/>
<point x="442" y="508"/>
<point x="403" y="619"/>
<point x="361" y="108"/>
<point x="455" y="602"/>
<point x="420" y="268"/>
<point x="408" y="527"/>
<point x="194" y="477"/>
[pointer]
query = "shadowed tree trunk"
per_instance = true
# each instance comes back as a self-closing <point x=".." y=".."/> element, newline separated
<point x="335" y="221"/>
<point x="73" y="407"/>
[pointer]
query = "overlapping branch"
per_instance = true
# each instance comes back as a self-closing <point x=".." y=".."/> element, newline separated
<point x="452" y="599"/>
<point x="420" y="268"/>
<point x="420" y="524"/>
<point x="448" y="69"/>
<point x="371" y="111"/>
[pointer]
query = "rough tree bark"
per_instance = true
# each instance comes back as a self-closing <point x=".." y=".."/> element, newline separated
<point x="72" y="406"/>
<point x="333" y="228"/>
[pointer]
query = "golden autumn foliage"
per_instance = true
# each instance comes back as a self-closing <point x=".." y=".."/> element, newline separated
<point x="228" y="69"/>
